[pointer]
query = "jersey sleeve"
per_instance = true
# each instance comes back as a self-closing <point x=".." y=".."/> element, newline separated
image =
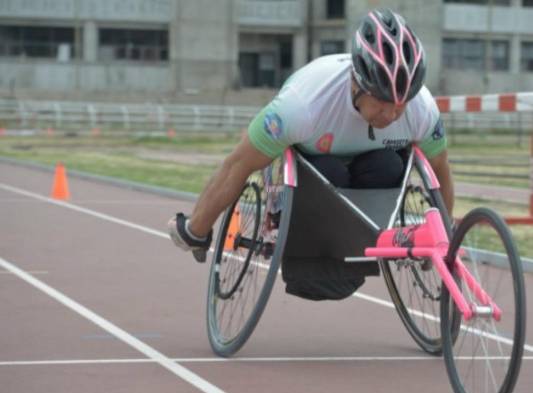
<point x="281" y="123"/>
<point x="430" y="133"/>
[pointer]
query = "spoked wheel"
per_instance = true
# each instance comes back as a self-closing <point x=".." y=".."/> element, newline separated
<point x="246" y="260"/>
<point x="487" y="354"/>
<point x="414" y="285"/>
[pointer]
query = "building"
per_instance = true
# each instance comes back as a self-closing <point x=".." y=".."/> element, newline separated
<point x="176" y="47"/>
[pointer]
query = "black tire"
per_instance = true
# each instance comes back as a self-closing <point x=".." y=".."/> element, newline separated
<point x="414" y="285"/>
<point x="241" y="278"/>
<point x="485" y="246"/>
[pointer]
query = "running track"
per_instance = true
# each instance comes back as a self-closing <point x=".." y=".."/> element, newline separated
<point x="95" y="298"/>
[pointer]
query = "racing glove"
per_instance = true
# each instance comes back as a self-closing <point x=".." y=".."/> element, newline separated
<point x="181" y="236"/>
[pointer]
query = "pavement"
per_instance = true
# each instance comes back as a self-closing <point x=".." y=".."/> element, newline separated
<point x="95" y="298"/>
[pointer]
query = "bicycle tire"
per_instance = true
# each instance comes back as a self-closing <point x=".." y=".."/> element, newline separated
<point x="500" y="374"/>
<point x="222" y="343"/>
<point x="407" y="280"/>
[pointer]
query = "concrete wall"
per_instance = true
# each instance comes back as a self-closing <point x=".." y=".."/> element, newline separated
<point x="512" y="23"/>
<point x="205" y="44"/>
<point x="52" y="76"/>
<point x="111" y="10"/>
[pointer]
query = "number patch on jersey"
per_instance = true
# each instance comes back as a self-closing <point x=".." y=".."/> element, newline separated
<point x="273" y="125"/>
<point x="438" y="131"/>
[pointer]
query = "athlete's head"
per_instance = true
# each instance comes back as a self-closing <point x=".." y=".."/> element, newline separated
<point x="388" y="58"/>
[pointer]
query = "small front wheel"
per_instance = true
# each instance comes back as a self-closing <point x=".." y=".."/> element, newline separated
<point x="488" y="352"/>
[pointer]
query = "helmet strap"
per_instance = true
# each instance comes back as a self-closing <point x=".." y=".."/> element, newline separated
<point x="357" y="94"/>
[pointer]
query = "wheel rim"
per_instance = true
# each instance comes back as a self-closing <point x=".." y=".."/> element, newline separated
<point x="414" y="283"/>
<point x="487" y="353"/>
<point x="241" y="278"/>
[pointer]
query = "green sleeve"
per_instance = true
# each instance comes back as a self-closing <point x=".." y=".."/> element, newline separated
<point x="435" y="141"/>
<point x="260" y="134"/>
<point x="282" y="123"/>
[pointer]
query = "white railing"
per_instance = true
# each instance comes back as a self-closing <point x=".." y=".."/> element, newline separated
<point x="87" y="116"/>
<point x="149" y="117"/>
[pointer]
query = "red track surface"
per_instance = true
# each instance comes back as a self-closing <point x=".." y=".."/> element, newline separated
<point x="137" y="280"/>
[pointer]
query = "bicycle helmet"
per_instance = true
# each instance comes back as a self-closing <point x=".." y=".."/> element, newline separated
<point x="388" y="58"/>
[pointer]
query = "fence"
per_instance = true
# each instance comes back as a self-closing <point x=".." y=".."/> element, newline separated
<point x="507" y="104"/>
<point x="510" y="114"/>
<point x="86" y="116"/>
<point x="83" y="117"/>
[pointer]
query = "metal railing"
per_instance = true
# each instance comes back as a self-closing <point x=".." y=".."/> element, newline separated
<point x="85" y="116"/>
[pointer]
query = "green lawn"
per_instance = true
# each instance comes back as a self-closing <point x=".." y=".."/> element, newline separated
<point x="174" y="163"/>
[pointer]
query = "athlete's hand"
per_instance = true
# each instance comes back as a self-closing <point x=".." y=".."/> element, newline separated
<point x="181" y="238"/>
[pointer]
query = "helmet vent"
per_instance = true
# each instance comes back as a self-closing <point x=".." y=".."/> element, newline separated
<point x="388" y="53"/>
<point x="401" y="82"/>
<point x="362" y="68"/>
<point x="407" y="52"/>
<point x="368" y="33"/>
<point x="383" y="79"/>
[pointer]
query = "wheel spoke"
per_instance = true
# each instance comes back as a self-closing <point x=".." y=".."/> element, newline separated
<point x="494" y="348"/>
<point x="236" y="305"/>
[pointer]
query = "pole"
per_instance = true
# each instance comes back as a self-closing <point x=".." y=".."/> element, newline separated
<point x="531" y="175"/>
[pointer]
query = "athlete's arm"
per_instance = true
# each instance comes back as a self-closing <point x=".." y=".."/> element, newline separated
<point x="441" y="167"/>
<point x="225" y="185"/>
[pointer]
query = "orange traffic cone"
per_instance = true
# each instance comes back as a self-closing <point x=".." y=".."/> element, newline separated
<point x="60" y="187"/>
<point x="233" y="229"/>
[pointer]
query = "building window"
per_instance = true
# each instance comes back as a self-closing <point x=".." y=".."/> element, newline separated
<point x="470" y="54"/>
<point x="37" y="42"/>
<point x="133" y="44"/>
<point x="257" y="69"/>
<point x="500" y="55"/>
<point x="335" y="9"/>
<point x="331" y="47"/>
<point x="527" y="56"/>
<point x="481" y="2"/>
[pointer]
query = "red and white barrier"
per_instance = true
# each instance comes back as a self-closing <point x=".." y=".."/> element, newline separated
<point x="509" y="102"/>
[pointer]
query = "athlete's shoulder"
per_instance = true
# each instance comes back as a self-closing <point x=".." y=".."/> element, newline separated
<point x="422" y="106"/>
<point x="424" y="99"/>
<point x="320" y="69"/>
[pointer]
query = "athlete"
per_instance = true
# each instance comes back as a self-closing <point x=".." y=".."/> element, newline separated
<point x="349" y="115"/>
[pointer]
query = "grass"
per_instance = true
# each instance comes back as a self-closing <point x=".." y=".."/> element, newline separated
<point x="163" y="161"/>
<point x="124" y="158"/>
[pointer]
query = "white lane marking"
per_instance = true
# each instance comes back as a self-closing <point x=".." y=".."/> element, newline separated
<point x="316" y="359"/>
<point x="85" y="211"/>
<point x="32" y="272"/>
<point x="119" y="221"/>
<point x="122" y="335"/>
<point x="99" y="201"/>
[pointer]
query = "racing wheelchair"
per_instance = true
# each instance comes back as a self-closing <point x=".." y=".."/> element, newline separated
<point x="461" y="294"/>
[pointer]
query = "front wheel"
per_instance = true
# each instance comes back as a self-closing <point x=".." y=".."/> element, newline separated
<point x="487" y="353"/>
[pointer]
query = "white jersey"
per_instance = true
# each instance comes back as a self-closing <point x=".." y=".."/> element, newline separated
<point x="314" y="110"/>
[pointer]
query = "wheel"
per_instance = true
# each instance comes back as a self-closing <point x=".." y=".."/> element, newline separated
<point x="246" y="259"/>
<point x="487" y="354"/>
<point x="414" y="285"/>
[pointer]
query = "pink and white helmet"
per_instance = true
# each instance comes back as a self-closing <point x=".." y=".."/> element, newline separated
<point x="389" y="61"/>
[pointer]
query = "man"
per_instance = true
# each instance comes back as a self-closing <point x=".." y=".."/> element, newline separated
<point x="348" y="114"/>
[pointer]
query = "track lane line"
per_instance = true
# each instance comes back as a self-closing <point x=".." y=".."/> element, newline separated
<point x="317" y="359"/>
<point x="119" y="333"/>
<point x="142" y="228"/>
